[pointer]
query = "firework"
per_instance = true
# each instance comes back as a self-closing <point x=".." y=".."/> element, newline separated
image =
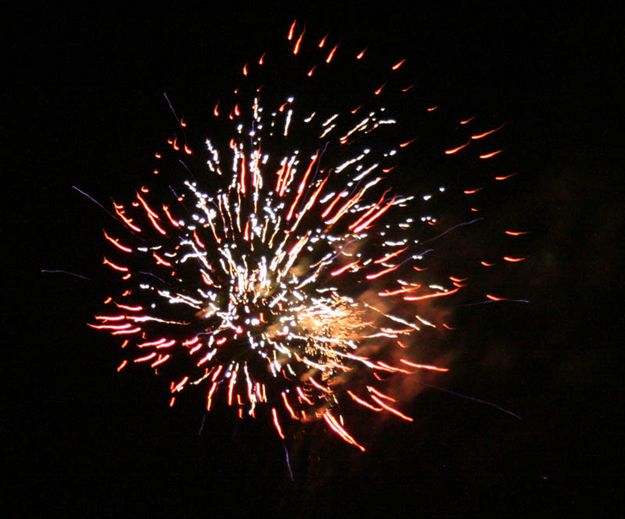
<point x="284" y="274"/>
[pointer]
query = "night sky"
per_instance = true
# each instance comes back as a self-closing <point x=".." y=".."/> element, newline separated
<point x="84" y="95"/>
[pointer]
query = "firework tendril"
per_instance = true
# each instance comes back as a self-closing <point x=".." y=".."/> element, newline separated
<point x="286" y="274"/>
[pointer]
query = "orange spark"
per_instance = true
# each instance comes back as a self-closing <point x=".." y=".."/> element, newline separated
<point x="451" y="151"/>
<point x="298" y="43"/>
<point x="276" y="422"/>
<point x="431" y="296"/>
<point x="392" y="409"/>
<point x="505" y="177"/>
<point x="337" y="428"/>
<point x="114" y="266"/>
<point x="484" y="134"/>
<point x="331" y="55"/>
<point x="115" y="242"/>
<point x="398" y="64"/>
<point x="512" y="259"/>
<point x="496" y="298"/>
<point x="490" y="155"/>
<point x="291" y="30"/>
<point x="363" y="402"/>
<point x="423" y="366"/>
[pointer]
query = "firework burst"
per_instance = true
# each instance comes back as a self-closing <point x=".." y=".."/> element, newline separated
<point x="286" y="273"/>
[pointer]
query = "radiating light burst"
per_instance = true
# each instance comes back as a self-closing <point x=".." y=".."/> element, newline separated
<point x="285" y="274"/>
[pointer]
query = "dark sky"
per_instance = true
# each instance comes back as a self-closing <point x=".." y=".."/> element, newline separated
<point x="83" y="91"/>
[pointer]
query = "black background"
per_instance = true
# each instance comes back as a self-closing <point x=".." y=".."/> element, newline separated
<point x="83" y="90"/>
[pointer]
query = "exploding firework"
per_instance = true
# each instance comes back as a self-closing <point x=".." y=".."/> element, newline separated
<point x="285" y="273"/>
